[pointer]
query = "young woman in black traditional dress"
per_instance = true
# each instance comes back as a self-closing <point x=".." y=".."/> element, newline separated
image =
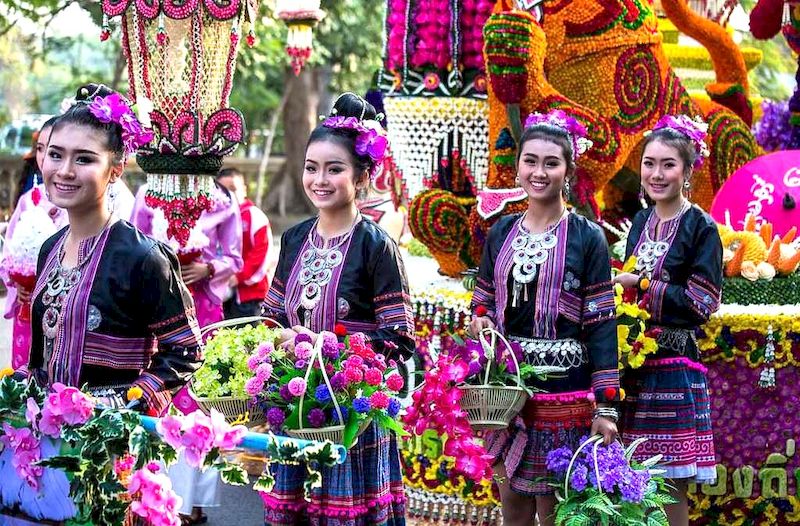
<point x="545" y="283"/>
<point x="679" y="276"/>
<point x="340" y="268"/>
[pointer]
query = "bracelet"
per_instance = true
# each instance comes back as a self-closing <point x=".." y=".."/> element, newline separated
<point x="606" y="412"/>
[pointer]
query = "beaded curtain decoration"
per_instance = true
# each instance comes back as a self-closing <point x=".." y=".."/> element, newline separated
<point x="181" y="57"/>
<point x="424" y="132"/>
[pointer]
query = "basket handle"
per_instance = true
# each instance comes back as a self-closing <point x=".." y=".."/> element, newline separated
<point x="597" y="440"/>
<point x="238" y="321"/>
<point x="316" y="354"/>
<point x="490" y="349"/>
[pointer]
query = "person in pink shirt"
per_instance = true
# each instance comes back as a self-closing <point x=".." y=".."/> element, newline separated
<point x="17" y="295"/>
<point x="250" y="285"/>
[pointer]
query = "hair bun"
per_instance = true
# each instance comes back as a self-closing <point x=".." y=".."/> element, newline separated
<point x="88" y="92"/>
<point x="349" y="104"/>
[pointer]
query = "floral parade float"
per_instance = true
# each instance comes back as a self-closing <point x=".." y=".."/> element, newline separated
<point x="65" y="459"/>
<point x="601" y="61"/>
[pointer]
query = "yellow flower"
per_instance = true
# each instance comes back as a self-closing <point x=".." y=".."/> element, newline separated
<point x="636" y="360"/>
<point x="622" y="333"/>
<point x="6" y="371"/>
<point x="629" y="265"/>
<point x="134" y="393"/>
<point x="649" y="346"/>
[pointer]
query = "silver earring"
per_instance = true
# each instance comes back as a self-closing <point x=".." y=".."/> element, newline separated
<point x="687" y="185"/>
<point x="516" y="181"/>
<point x="566" y="188"/>
<point x="111" y="197"/>
<point x="361" y="194"/>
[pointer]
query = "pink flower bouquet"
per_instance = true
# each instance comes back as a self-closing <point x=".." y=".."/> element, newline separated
<point x="328" y="391"/>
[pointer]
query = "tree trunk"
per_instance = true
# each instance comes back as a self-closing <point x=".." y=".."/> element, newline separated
<point x="286" y="195"/>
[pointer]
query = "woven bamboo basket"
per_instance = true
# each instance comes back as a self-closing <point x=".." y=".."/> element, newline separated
<point x="492" y="407"/>
<point x="234" y="408"/>
<point x="333" y="433"/>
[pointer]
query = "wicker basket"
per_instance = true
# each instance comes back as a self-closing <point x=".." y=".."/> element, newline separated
<point x="233" y="407"/>
<point x="333" y="433"/>
<point x="491" y="407"/>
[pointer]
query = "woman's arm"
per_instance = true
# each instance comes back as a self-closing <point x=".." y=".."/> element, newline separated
<point x="174" y="324"/>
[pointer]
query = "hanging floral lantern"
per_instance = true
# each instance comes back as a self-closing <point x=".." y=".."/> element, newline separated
<point x="181" y="57"/>
<point x="300" y="17"/>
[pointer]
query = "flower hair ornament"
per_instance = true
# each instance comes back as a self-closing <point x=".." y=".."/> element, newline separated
<point x="695" y="129"/>
<point x="114" y="108"/>
<point x="370" y="138"/>
<point x="559" y="119"/>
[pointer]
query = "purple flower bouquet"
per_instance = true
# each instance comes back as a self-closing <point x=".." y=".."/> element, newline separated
<point x="599" y="484"/>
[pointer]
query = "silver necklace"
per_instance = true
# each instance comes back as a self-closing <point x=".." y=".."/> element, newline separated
<point x="60" y="281"/>
<point x="651" y="251"/>
<point x="317" y="266"/>
<point x="530" y="252"/>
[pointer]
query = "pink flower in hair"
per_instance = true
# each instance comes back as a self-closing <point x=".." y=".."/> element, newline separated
<point x="559" y="119"/>
<point x="114" y="108"/>
<point x="695" y="129"/>
<point x="370" y="137"/>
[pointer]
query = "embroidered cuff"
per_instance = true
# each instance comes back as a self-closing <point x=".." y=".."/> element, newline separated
<point x="605" y="385"/>
<point x="155" y="397"/>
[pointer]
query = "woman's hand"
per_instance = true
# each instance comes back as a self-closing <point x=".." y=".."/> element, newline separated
<point x="479" y="323"/>
<point x="606" y="427"/>
<point x="23" y="295"/>
<point x="627" y="279"/>
<point x="285" y="339"/>
<point x="194" y="272"/>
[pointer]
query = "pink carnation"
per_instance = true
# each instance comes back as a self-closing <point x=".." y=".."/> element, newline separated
<point x="264" y="371"/>
<point x="226" y="436"/>
<point x="303" y="350"/>
<point x="353" y="375"/>
<point x="264" y="350"/>
<point x="253" y="362"/>
<point x="65" y="406"/>
<point x="253" y="386"/>
<point x="395" y="382"/>
<point x="297" y="386"/>
<point x="373" y="377"/>
<point x="379" y="400"/>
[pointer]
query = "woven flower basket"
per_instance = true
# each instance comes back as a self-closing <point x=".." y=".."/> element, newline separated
<point x="234" y="408"/>
<point x="333" y="433"/>
<point x="492" y="407"/>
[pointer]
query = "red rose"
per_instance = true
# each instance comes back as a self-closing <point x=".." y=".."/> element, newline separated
<point x="610" y="393"/>
<point x="480" y="310"/>
<point x="340" y="330"/>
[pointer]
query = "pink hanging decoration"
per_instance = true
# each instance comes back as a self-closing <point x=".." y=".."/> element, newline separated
<point x="300" y="17"/>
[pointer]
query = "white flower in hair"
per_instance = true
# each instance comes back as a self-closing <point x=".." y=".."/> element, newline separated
<point x="143" y="108"/>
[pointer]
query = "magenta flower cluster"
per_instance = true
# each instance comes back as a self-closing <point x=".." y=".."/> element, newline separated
<point x="197" y="434"/>
<point x="558" y="118"/>
<point x="431" y="21"/>
<point x="473" y="16"/>
<point x="359" y="380"/>
<point x="694" y="129"/>
<point x="153" y="498"/>
<point x="114" y="108"/>
<point x="371" y="138"/>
